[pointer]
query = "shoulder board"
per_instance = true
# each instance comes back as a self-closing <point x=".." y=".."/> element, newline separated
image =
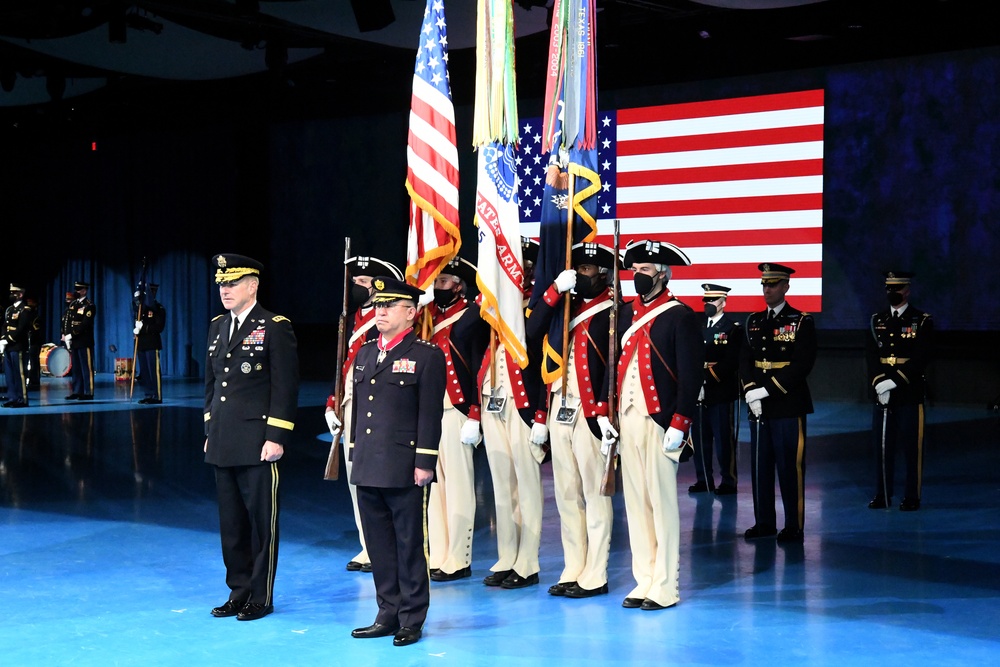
<point x="805" y="314"/>
<point x="426" y="342"/>
<point x="280" y="318"/>
<point x="218" y="316"/>
<point x="369" y="341"/>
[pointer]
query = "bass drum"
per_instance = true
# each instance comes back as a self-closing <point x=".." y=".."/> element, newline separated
<point x="54" y="360"/>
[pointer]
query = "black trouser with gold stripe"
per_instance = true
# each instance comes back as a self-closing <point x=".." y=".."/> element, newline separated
<point x="394" y="521"/>
<point x="714" y="429"/>
<point x="778" y="444"/>
<point x="149" y="373"/>
<point x="248" y="524"/>
<point x="904" y="429"/>
<point x="16" y="371"/>
<point x="83" y="370"/>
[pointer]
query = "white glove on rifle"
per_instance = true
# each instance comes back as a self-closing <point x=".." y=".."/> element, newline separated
<point x="333" y="423"/>
<point x="672" y="440"/>
<point x="539" y="433"/>
<point x="565" y="281"/>
<point x="425" y="299"/>
<point x="470" y="432"/>
<point x="138" y="328"/>
<point x="757" y="394"/>
<point x="68" y="338"/>
<point x="608" y="434"/>
<point x="755" y="407"/>
<point x="882" y="389"/>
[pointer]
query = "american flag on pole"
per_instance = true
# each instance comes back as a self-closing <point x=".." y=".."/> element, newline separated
<point x="432" y="157"/>
<point x="733" y="182"/>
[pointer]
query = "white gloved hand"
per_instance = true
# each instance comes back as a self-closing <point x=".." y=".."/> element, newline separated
<point x="539" y="433"/>
<point x="757" y="394"/>
<point x="883" y="398"/>
<point x="701" y="394"/>
<point x="138" y="328"/>
<point x="755" y="407"/>
<point x="885" y="386"/>
<point x="68" y="339"/>
<point x="565" y="281"/>
<point x="425" y="299"/>
<point x="672" y="440"/>
<point x="470" y="432"/>
<point x="608" y="434"/>
<point x="333" y="423"/>
<point x="3" y="346"/>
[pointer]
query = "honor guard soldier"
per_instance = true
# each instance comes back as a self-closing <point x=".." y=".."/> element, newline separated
<point x="715" y="423"/>
<point x="774" y="364"/>
<point x="399" y="389"/>
<point x="571" y="427"/>
<point x="659" y="375"/>
<point x="898" y="353"/>
<point x="14" y="347"/>
<point x="362" y="329"/>
<point x="506" y="404"/>
<point x="251" y="394"/>
<point x="151" y="318"/>
<point x="79" y="340"/>
<point x="462" y="335"/>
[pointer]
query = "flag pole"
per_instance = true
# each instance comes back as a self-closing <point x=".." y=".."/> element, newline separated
<point x="568" y="297"/>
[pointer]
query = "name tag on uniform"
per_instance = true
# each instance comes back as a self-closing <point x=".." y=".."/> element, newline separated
<point x="404" y="366"/>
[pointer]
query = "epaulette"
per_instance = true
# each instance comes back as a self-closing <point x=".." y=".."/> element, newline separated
<point x="280" y="318"/>
<point x="367" y="342"/>
<point x="218" y="316"/>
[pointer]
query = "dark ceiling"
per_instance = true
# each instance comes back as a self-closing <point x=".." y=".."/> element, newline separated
<point x="151" y="59"/>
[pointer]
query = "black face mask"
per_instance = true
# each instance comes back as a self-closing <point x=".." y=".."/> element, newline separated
<point x="358" y="296"/>
<point x="895" y="298"/>
<point x="443" y="297"/>
<point x="711" y="309"/>
<point x="14" y="298"/>
<point x="643" y="284"/>
<point x="79" y="295"/>
<point x="589" y="287"/>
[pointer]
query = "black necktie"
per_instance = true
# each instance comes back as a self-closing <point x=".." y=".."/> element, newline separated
<point x="770" y="314"/>
<point x="235" y="328"/>
<point x="895" y="315"/>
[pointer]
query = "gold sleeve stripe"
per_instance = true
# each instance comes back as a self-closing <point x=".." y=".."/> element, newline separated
<point x="280" y="423"/>
<point x="428" y="452"/>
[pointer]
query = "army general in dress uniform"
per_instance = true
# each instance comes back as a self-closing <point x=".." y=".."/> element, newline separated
<point x="898" y="352"/>
<point x="251" y="392"/>
<point x="399" y="389"/>
<point x="774" y="364"/>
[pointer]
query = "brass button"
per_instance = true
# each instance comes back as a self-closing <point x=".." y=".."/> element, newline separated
<point x="368" y="430"/>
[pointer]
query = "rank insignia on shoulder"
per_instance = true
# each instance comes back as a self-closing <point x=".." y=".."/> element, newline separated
<point x="280" y="318"/>
<point x="404" y="366"/>
<point x="218" y="317"/>
<point x="359" y="368"/>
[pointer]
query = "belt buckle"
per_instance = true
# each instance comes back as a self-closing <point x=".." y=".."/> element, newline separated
<point x="891" y="360"/>
<point x="566" y="415"/>
<point x="495" y="403"/>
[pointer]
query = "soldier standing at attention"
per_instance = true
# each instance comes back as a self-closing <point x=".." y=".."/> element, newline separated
<point x="898" y="352"/>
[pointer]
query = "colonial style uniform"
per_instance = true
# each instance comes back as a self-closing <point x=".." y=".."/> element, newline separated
<point x="14" y="343"/>
<point x="715" y="424"/>
<point x="81" y="329"/>
<point x="251" y="394"/>
<point x="898" y="352"/>
<point x="585" y="515"/>
<point x="779" y="355"/>
<point x="153" y="317"/>
<point x="659" y="374"/>
<point x="462" y="336"/>
<point x="508" y="397"/>
<point x="361" y="330"/>
<point x="399" y="390"/>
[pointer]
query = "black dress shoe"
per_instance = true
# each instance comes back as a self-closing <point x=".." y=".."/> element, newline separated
<point x="880" y="502"/>
<point x="19" y="404"/>
<point x="517" y="581"/>
<point x="85" y="397"/>
<point x="650" y="605"/>
<point x="578" y="592"/>
<point x="909" y="505"/>
<point x="726" y="490"/>
<point x="374" y="630"/>
<point x="441" y="575"/>
<point x="407" y="636"/>
<point x="561" y="588"/>
<point x="496" y="578"/>
<point x="632" y="603"/>
<point x="701" y="487"/>
<point x="72" y="397"/>
<point x="353" y="566"/>
<point x="753" y="533"/>
<point x="231" y="608"/>
<point x="8" y="404"/>
<point x="151" y="401"/>
<point x="366" y="567"/>
<point x="253" y="610"/>
<point x="790" y="535"/>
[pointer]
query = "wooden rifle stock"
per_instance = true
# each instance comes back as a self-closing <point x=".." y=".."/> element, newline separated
<point x="332" y="471"/>
<point x="610" y="467"/>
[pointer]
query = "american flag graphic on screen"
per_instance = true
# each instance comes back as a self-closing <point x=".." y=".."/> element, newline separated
<point x="733" y="182"/>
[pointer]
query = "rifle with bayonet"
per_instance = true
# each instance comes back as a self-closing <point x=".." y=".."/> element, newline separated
<point x="332" y="471"/>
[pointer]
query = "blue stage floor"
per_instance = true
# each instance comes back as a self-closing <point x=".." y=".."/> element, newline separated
<point x="110" y="556"/>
